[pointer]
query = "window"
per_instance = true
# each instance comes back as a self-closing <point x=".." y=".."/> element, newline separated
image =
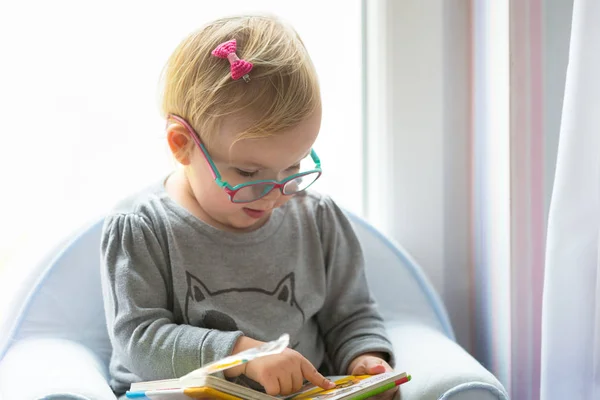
<point x="79" y="102"/>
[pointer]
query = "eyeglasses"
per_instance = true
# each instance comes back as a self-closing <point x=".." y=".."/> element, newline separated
<point x="254" y="190"/>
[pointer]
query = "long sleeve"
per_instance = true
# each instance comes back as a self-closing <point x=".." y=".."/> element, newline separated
<point x="349" y="320"/>
<point x="137" y="287"/>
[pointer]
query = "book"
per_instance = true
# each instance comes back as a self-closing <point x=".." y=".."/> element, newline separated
<point x="200" y="384"/>
<point x="347" y="387"/>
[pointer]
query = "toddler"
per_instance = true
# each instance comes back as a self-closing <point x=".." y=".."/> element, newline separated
<point x="232" y="250"/>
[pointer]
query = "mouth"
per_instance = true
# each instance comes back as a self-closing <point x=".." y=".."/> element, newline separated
<point x="252" y="213"/>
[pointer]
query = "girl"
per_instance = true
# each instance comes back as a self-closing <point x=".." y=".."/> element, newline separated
<point x="232" y="250"/>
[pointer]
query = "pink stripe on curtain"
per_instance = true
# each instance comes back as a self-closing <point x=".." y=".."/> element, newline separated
<point x="527" y="196"/>
<point x="538" y="225"/>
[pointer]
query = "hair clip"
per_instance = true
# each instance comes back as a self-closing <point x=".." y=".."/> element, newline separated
<point x="239" y="68"/>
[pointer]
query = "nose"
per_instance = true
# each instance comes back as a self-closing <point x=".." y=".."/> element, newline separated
<point x="273" y="195"/>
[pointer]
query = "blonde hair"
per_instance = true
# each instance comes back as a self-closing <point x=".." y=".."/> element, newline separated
<point x="283" y="90"/>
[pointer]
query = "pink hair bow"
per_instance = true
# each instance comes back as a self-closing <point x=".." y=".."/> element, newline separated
<point x="239" y="68"/>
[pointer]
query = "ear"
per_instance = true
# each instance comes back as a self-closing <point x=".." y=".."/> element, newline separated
<point x="180" y="142"/>
<point x="285" y="290"/>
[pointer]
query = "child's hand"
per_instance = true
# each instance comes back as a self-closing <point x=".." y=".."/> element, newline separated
<point x="369" y="364"/>
<point x="284" y="373"/>
<point x="372" y="364"/>
<point x="279" y="374"/>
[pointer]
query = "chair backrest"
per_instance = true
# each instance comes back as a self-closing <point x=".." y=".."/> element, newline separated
<point x="398" y="283"/>
<point x="66" y="301"/>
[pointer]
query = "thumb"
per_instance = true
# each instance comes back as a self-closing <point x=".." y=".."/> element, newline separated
<point x="369" y="366"/>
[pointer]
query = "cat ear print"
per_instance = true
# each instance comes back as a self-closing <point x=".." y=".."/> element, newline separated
<point x="196" y="289"/>
<point x="285" y="289"/>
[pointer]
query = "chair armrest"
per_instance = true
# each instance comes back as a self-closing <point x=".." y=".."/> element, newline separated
<point x="440" y="368"/>
<point x="51" y="368"/>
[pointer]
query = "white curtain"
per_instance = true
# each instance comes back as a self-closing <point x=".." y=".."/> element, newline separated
<point x="571" y="308"/>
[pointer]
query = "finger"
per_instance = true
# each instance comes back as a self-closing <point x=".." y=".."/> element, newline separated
<point x="285" y="383"/>
<point x="297" y="381"/>
<point x="360" y="369"/>
<point x="311" y="374"/>
<point x="271" y="385"/>
<point x="375" y="366"/>
<point x="376" y="369"/>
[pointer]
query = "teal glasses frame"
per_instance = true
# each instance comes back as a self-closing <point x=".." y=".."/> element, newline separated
<point x="254" y="190"/>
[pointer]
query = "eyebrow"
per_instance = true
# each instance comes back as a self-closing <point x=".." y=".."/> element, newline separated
<point x="260" y="166"/>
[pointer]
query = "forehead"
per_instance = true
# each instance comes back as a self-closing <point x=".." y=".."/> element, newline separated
<point x="280" y="150"/>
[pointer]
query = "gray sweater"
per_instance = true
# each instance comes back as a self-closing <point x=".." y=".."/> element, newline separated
<point x="178" y="292"/>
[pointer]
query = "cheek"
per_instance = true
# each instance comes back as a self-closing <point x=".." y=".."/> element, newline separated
<point x="282" y="200"/>
<point x="207" y="192"/>
<point x="212" y="196"/>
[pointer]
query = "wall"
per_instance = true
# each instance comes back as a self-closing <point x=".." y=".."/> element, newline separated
<point x="419" y="123"/>
<point x="417" y="139"/>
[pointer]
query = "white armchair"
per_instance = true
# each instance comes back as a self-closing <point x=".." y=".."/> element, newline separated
<point x="56" y="346"/>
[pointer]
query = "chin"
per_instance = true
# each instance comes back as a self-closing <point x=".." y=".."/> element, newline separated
<point x="247" y="223"/>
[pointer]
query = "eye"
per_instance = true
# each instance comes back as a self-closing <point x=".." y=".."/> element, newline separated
<point x="294" y="168"/>
<point x="245" y="174"/>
